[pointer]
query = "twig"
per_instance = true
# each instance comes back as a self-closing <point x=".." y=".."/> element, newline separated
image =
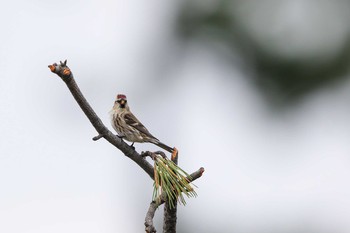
<point x="63" y="71"/>
<point x="149" y="227"/>
<point x="152" y="155"/>
<point x="97" y="137"/>
<point x="195" y="175"/>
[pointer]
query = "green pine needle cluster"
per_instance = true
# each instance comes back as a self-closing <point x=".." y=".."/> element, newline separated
<point x="172" y="180"/>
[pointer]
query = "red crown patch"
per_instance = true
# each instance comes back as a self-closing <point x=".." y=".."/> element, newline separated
<point x="121" y="96"/>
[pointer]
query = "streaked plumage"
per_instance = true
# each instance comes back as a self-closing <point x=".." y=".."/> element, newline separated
<point x="129" y="127"/>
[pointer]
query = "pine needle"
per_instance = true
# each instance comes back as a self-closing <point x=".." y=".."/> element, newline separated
<point x="172" y="180"/>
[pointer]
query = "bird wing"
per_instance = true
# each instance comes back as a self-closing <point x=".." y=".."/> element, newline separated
<point x="131" y="120"/>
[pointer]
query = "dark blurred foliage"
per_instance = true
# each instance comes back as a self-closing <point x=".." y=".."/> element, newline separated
<point x="282" y="80"/>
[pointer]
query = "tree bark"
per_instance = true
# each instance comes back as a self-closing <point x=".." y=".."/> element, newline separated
<point x="63" y="71"/>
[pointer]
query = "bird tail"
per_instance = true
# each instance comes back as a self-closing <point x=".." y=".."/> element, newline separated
<point x="165" y="147"/>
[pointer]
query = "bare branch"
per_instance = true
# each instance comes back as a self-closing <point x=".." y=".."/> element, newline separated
<point x="63" y="71"/>
<point x="170" y="218"/>
<point x="153" y="155"/>
<point x="195" y="175"/>
<point x="66" y="75"/>
<point x="97" y="137"/>
<point x="149" y="227"/>
<point x="170" y="213"/>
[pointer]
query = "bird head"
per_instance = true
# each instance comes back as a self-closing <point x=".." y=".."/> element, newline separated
<point x="121" y="101"/>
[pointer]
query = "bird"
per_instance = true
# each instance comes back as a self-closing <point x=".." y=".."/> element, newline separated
<point x="129" y="127"/>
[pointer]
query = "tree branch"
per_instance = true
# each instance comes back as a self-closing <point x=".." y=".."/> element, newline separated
<point x="170" y="214"/>
<point x="63" y="71"/>
<point x="149" y="227"/>
<point x="66" y="75"/>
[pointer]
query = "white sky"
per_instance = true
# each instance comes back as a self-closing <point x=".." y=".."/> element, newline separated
<point x="265" y="172"/>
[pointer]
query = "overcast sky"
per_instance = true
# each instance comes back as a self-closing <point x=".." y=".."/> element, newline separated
<point x="265" y="171"/>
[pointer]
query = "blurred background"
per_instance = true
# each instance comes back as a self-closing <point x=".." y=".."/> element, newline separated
<point x="256" y="92"/>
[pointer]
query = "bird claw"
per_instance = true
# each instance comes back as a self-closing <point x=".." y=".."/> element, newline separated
<point x="132" y="146"/>
<point x="121" y="138"/>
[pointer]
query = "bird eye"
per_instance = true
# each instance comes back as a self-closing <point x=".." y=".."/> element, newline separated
<point x="120" y="101"/>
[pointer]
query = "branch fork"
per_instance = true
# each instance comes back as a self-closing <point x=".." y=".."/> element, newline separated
<point x="61" y="70"/>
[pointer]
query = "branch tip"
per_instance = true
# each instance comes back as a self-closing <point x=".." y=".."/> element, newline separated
<point x="66" y="71"/>
<point x="201" y="170"/>
<point x="61" y="70"/>
<point x="97" y="137"/>
<point x="63" y="63"/>
<point x="174" y="154"/>
<point x="52" y="67"/>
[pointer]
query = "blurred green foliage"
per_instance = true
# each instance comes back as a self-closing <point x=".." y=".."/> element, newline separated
<point x="281" y="79"/>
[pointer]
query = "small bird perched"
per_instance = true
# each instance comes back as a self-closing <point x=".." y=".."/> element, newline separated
<point x="129" y="127"/>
